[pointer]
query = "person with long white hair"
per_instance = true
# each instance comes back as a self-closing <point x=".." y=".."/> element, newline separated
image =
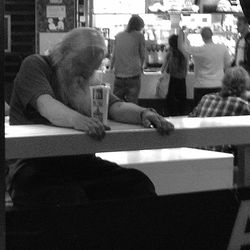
<point x="54" y="89"/>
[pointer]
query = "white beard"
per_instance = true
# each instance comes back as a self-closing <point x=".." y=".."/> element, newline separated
<point x="75" y="93"/>
<point x="81" y="100"/>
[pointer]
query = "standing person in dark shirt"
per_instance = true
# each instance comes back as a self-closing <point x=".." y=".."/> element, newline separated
<point x="54" y="90"/>
<point x="175" y="64"/>
<point x="128" y="60"/>
<point x="242" y="50"/>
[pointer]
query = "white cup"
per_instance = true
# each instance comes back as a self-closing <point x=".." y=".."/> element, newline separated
<point x="100" y="102"/>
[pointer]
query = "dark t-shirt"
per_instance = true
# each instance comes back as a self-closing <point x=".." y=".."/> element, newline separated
<point x="177" y="64"/>
<point x="37" y="76"/>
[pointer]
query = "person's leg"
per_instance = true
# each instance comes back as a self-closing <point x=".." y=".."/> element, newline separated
<point x="119" y="88"/>
<point x="42" y="182"/>
<point x="75" y="180"/>
<point x="133" y="87"/>
<point x="181" y="96"/>
<point x="171" y="98"/>
<point x="104" y="180"/>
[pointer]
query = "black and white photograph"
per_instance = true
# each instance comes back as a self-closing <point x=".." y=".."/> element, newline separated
<point x="125" y="125"/>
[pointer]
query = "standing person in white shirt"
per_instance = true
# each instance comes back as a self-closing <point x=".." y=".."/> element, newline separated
<point x="210" y="61"/>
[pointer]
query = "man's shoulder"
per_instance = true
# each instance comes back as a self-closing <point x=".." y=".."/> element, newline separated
<point x="137" y="33"/>
<point x="239" y="100"/>
<point x="121" y="34"/>
<point x="235" y="101"/>
<point x="35" y="65"/>
<point x="212" y="97"/>
<point x="29" y="58"/>
<point x="190" y="49"/>
<point x="219" y="46"/>
<point x="35" y="58"/>
<point x="121" y="37"/>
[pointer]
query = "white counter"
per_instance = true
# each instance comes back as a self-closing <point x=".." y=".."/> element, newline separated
<point x="179" y="170"/>
<point x="148" y="83"/>
<point x="29" y="141"/>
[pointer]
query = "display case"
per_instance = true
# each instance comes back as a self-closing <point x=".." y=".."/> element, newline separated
<point x="221" y="6"/>
<point x="223" y="25"/>
<point x="158" y="28"/>
<point x="156" y="32"/>
<point x="159" y="25"/>
<point x="162" y="18"/>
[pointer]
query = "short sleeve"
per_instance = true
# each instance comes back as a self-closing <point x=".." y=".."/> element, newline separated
<point x="33" y="80"/>
<point x="113" y="99"/>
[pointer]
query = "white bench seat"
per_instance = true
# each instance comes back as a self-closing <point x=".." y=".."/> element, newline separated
<point x="179" y="170"/>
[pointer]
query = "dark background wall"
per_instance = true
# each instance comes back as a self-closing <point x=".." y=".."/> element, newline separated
<point x="22" y="38"/>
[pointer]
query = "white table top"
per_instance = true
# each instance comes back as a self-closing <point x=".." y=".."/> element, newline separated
<point x="162" y="155"/>
<point x="24" y="141"/>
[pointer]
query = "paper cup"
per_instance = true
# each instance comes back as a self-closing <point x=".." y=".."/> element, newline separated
<point x="100" y="102"/>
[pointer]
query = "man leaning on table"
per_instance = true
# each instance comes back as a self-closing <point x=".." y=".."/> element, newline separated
<point x="54" y="90"/>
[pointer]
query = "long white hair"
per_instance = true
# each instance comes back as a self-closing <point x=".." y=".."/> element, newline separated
<point x="76" y="39"/>
<point x="76" y="58"/>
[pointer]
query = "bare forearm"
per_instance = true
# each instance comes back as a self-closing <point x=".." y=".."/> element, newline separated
<point x="183" y="44"/>
<point x="142" y="63"/>
<point x="180" y="41"/>
<point x="131" y="113"/>
<point x="56" y="112"/>
<point x="164" y="65"/>
<point x="126" y="112"/>
<point x="60" y="115"/>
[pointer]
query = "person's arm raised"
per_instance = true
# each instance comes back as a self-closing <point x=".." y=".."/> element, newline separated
<point x="183" y="43"/>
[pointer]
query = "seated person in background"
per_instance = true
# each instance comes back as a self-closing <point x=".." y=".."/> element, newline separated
<point x="230" y="101"/>
<point x="54" y="89"/>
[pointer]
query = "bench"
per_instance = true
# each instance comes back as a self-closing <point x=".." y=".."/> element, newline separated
<point x="179" y="170"/>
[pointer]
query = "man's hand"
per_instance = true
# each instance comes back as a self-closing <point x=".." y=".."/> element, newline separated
<point x="150" y="118"/>
<point x="92" y="126"/>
